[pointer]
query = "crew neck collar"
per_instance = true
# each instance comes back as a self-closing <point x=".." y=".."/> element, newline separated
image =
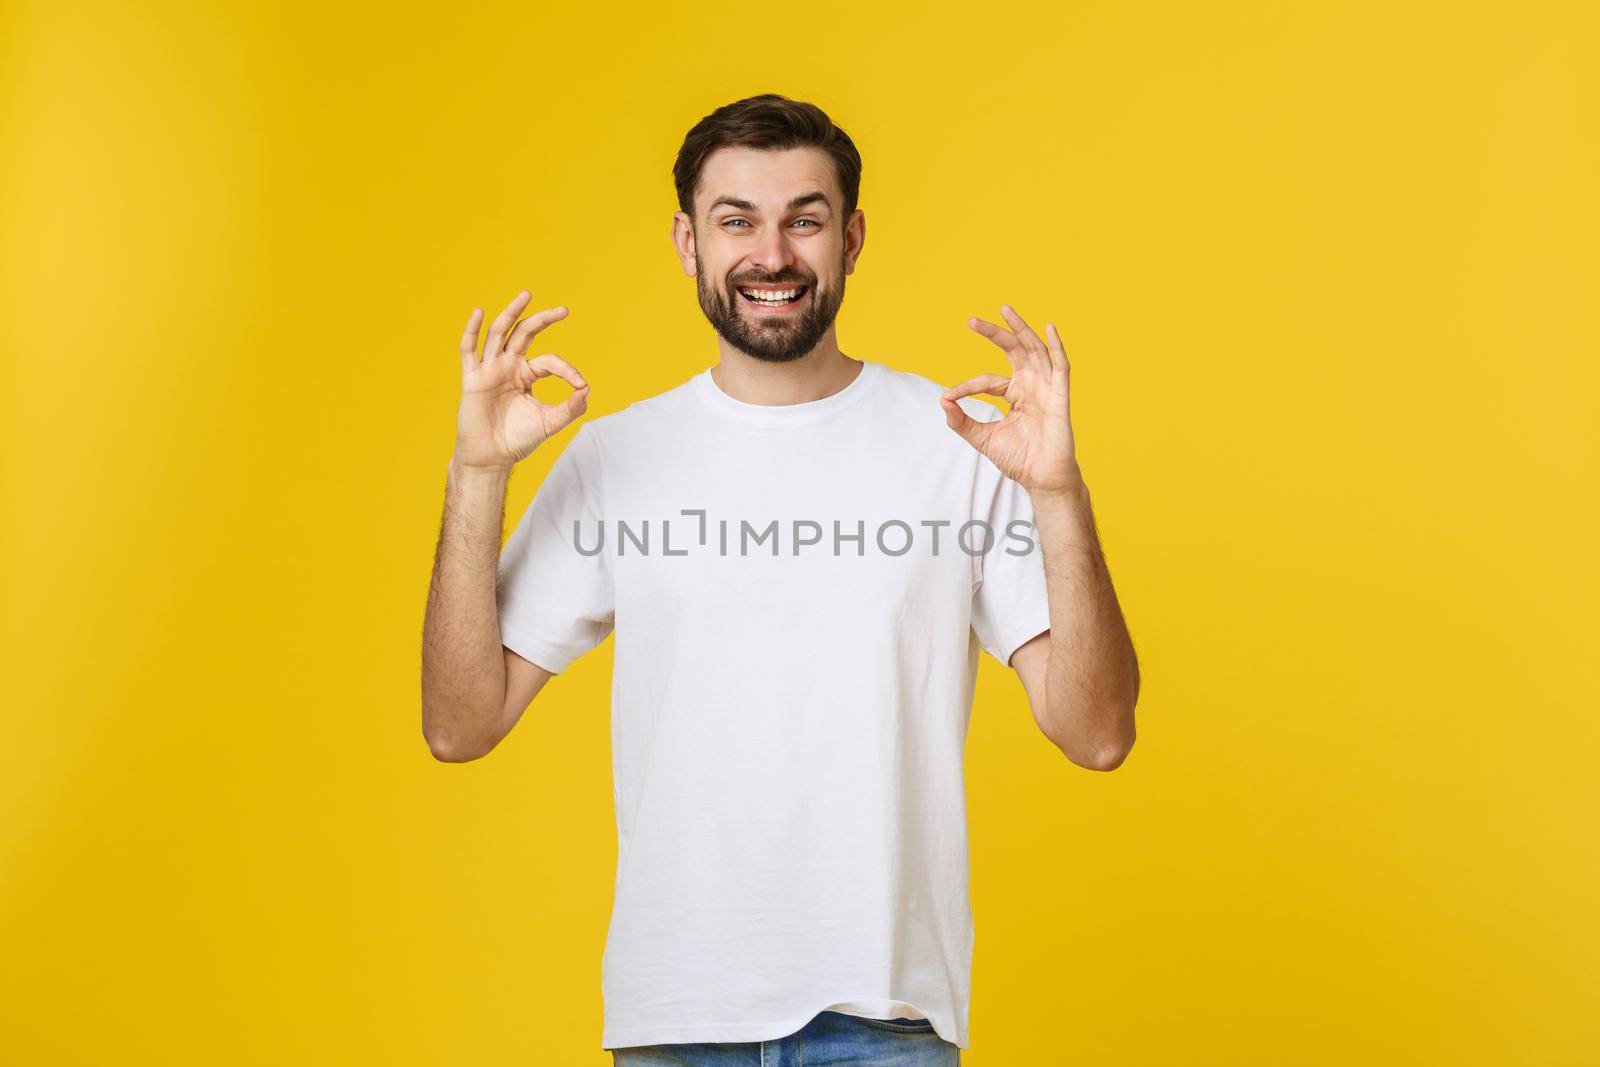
<point x="788" y="414"/>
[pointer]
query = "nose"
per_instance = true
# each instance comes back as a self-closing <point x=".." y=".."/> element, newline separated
<point x="773" y="254"/>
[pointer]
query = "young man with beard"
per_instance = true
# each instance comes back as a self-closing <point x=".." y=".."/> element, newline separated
<point x="800" y="563"/>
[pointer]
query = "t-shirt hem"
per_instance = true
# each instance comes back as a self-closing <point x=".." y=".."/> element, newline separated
<point x="1017" y="639"/>
<point x="539" y="652"/>
<point x="628" y="1037"/>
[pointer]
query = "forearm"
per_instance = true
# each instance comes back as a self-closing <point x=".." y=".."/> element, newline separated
<point x="1092" y="679"/>
<point x="463" y="667"/>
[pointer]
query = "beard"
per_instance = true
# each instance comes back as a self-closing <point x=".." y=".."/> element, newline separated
<point x="774" y="338"/>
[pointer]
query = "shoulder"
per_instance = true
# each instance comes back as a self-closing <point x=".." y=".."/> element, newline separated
<point x="642" y="420"/>
<point x="920" y="394"/>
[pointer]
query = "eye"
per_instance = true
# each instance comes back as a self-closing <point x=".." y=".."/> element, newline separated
<point x="813" y="222"/>
<point x="727" y="222"/>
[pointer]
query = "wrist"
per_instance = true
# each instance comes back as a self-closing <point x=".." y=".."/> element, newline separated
<point x="464" y="470"/>
<point x="1074" y="491"/>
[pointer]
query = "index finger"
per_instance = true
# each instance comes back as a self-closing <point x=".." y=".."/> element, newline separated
<point x="549" y="363"/>
<point x="988" y="384"/>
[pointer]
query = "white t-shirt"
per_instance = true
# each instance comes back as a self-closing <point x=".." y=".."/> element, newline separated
<point x="799" y="594"/>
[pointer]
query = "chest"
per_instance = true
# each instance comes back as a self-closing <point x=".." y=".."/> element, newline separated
<point x="772" y="528"/>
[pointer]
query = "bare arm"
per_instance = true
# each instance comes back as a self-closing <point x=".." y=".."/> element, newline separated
<point x="473" y="688"/>
<point x="1081" y="676"/>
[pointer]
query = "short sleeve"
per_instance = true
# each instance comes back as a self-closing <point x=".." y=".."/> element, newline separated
<point x="1009" y="605"/>
<point x="556" y="602"/>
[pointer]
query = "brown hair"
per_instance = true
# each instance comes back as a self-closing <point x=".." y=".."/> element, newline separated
<point x="771" y="122"/>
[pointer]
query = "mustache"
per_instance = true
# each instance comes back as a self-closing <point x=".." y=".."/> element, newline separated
<point x="771" y="281"/>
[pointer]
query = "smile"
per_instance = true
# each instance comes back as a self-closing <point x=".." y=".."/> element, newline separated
<point x="772" y="297"/>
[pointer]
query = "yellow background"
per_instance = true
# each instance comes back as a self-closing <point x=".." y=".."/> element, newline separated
<point x="1327" y="278"/>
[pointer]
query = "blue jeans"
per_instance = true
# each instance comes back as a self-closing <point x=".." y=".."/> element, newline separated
<point x="831" y="1037"/>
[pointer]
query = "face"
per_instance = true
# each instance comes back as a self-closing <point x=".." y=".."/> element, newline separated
<point x="769" y="221"/>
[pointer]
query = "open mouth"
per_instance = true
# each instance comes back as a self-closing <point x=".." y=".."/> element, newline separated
<point x="773" y="296"/>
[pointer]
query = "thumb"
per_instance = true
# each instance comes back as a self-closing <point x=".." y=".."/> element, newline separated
<point x="570" y="408"/>
<point x="973" y="431"/>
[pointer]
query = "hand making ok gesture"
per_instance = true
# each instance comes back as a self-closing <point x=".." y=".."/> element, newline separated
<point x="500" y="422"/>
<point x="1032" y="443"/>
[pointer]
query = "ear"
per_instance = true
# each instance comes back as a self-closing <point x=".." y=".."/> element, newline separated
<point x="683" y="243"/>
<point x="855" y="235"/>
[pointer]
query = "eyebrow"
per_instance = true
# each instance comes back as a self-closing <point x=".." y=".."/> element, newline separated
<point x="744" y="205"/>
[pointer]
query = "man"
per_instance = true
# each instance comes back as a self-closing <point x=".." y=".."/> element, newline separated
<point x="800" y="562"/>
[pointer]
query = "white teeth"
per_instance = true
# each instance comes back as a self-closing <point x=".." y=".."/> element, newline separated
<point x="776" y="297"/>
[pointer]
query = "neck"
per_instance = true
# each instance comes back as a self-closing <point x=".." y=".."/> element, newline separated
<point x="819" y="373"/>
